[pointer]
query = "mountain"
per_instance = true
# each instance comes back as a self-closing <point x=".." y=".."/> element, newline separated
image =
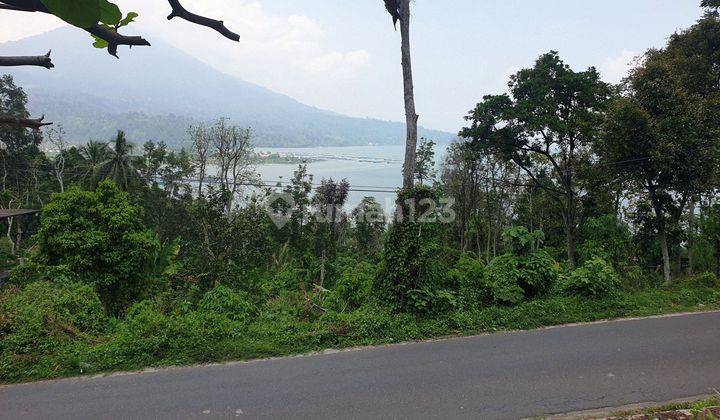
<point x="156" y="92"/>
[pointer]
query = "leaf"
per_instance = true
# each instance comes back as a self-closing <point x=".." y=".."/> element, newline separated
<point x="99" y="42"/>
<point x="128" y="19"/>
<point x="110" y="14"/>
<point x="80" y="13"/>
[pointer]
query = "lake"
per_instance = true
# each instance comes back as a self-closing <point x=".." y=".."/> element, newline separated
<point x="371" y="170"/>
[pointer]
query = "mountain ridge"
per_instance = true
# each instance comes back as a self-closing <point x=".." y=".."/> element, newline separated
<point x="157" y="92"/>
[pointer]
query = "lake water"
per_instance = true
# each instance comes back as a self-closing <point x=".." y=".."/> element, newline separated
<point x="371" y="170"/>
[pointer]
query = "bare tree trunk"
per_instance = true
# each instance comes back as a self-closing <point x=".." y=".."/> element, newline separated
<point x="691" y="235"/>
<point x="662" y="237"/>
<point x="570" y="242"/>
<point x="411" y="116"/>
<point x="9" y="235"/>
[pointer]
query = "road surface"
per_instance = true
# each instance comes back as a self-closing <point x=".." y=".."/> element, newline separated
<point x="505" y="375"/>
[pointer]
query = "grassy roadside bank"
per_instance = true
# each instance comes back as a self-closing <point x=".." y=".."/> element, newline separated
<point x="56" y="342"/>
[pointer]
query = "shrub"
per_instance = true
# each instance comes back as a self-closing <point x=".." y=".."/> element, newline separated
<point x="42" y="316"/>
<point x="352" y="288"/>
<point x="99" y="235"/>
<point x="502" y="280"/>
<point x="227" y="302"/>
<point x="511" y="278"/>
<point x="707" y="280"/>
<point x="540" y="273"/>
<point x="595" y="279"/>
<point x="32" y="271"/>
<point x="468" y="275"/>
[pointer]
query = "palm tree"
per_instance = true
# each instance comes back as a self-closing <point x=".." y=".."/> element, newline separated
<point x="400" y="12"/>
<point x="119" y="165"/>
<point x="96" y="154"/>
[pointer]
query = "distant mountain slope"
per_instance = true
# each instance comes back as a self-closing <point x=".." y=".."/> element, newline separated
<point x="156" y="92"/>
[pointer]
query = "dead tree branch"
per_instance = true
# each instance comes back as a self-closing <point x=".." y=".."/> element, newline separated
<point x="32" y="123"/>
<point x="179" y="11"/>
<point x="30" y="60"/>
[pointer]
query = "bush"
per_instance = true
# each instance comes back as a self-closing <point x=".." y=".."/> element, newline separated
<point x="31" y="272"/>
<point x="41" y="320"/>
<point x="353" y="287"/>
<point x="510" y="278"/>
<point x="502" y="281"/>
<point x="99" y="235"/>
<point x="595" y="279"/>
<point x="468" y="275"/>
<point x="707" y="280"/>
<point x="540" y="273"/>
<point x="227" y="302"/>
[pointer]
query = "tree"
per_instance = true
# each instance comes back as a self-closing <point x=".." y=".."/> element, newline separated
<point x="425" y="161"/>
<point x="99" y="236"/>
<point x="56" y="138"/>
<point x="369" y="224"/>
<point x="96" y="154"/>
<point x="201" y="141"/>
<point x="665" y="131"/>
<point x="400" y="11"/>
<point x="546" y="127"/>
<point x="18" y="146"/>
<point x="120" y="165"/>
<point x="232" y="150"/>
<point x="329" y="200"/>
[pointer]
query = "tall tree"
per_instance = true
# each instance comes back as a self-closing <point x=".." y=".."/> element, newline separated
<point x="665" y="131"/>
<point x="546" y="127"/>
<point x="400" y="12"/>
<point x="120" y="166"/>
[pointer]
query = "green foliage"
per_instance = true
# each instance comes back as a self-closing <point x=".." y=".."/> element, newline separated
<point x="353" y="288"/>
<point x="502" y="280"/>
<point x="425" y="161"/>
<point x="227" y="302"/>
<point x="87" y="13"/>
<point x="411" y="273"/>
<point x="43" y="316"/>
<point x="99" y="236"/>
<point x="32" y="271"/>
<point x="81" y="13"/>
<point x="595" y="279"/>
<point x="605" y="237"/>
<point x="706" y="280"/>
<point x="521" y="274"/>
<point x="468" y="275"/>
<point x="522" y="241"/>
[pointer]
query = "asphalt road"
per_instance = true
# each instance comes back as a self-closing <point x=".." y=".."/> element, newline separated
<point x="506" y="375"/>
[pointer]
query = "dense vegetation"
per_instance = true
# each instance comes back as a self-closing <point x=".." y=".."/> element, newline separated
<point x="566" y="200"/>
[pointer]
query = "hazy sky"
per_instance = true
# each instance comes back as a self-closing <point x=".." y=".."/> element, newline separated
<point x="343" y="55"/>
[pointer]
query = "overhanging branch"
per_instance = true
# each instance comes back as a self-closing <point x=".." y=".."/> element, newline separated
<point x="114" y="39"/>
<point x="32" y="123"/>
<point x="110" y="36"/>
<point x="30" y="60"/>
<point x="179" y="11"/>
